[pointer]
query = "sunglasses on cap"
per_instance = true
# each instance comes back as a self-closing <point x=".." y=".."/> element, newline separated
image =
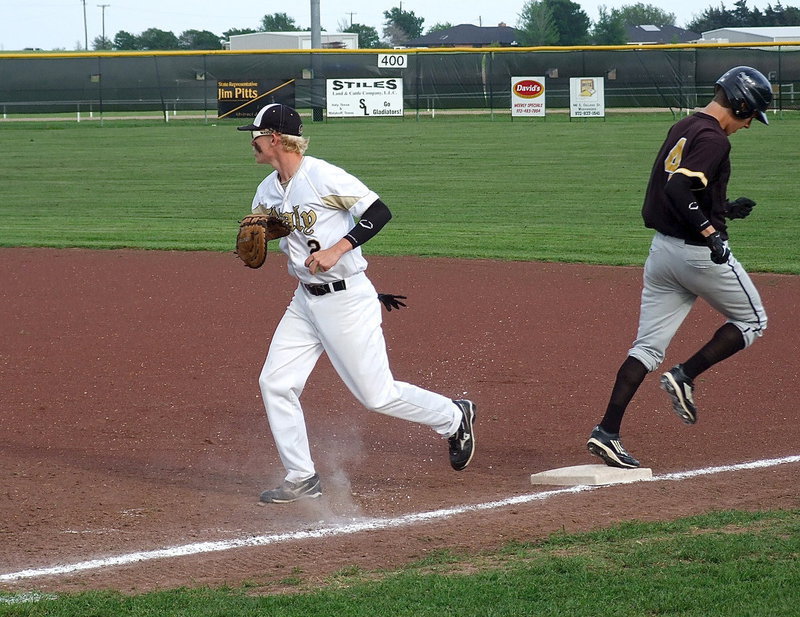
<point x="264" y="133"/>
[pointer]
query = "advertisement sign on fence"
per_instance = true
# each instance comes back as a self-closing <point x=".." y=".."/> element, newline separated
<point x="243" y="99"/>
<point x="527" y="96"/>
<point x="586" y="97"/>
<point x="363" y="97"/>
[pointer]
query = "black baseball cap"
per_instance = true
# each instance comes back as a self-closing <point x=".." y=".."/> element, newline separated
<point x="276" y="117"/>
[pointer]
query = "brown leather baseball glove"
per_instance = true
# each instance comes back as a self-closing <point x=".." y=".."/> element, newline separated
<point x="255" y="230"/>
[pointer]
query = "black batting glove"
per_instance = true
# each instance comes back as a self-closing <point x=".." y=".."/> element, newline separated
<point x="740" y="208"/>
<point x="391" y="301"/>
<point x="719" y="250"/>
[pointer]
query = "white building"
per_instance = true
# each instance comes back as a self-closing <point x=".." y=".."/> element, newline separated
<point x="291" y="40"/>
<point x="767" y="34"/>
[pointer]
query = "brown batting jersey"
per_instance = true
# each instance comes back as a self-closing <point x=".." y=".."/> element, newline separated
<point x="698" y="148"/>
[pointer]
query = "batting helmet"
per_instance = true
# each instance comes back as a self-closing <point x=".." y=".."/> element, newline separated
<point x="748" y="92"/>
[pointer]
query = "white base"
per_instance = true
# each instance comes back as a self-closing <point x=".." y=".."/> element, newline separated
<point x="591" y="475"/>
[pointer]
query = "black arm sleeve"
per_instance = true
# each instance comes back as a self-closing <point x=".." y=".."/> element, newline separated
<point x="373" y="220"/>
<point x="679" y="191"/>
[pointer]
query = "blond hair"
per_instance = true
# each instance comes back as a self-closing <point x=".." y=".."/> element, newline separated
<point x="294" y="143"/>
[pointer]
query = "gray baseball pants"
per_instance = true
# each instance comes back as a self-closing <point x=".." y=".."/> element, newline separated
<point x="675" y="275"/>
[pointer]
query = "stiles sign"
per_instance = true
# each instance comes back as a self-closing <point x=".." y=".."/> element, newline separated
<point x="365" y="97"/>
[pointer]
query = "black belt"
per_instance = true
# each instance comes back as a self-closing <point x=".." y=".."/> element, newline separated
<point x="320" y="289"/>
<point x="689" y="242"/>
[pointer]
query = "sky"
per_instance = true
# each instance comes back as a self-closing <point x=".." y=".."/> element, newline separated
<point x="59" y="24"/>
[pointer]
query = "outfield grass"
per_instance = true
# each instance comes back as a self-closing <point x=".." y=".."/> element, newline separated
<point x="717" y="565"/>
<point x="473" y="187"/>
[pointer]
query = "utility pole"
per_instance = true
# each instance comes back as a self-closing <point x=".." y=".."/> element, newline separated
<point x="103" y="8"/>
<point x="317" y="93"/>
<point x="316" y="34"/>
<point x="351" y="17"/>
<point x="85" y="29"/>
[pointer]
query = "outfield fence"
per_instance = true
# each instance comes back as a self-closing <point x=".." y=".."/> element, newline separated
<point x="677" y="77"/>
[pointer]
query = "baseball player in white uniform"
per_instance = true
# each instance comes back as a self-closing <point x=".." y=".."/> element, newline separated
<point x="334" y="308"/>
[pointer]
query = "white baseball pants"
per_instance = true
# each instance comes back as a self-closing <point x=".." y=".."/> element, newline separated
<point x="347" y="326"/>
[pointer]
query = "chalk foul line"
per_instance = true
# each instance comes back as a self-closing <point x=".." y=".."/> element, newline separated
<point x="363" y="525"/>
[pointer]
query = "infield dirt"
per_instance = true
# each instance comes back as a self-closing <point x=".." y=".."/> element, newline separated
<point x="132" y="419"/>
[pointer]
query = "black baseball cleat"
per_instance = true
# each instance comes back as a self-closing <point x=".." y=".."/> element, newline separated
<point x="292" y="491"/>
<point x="462" y="442"/>
<point x="681" y="390"/>
<point x="609" y="448"/>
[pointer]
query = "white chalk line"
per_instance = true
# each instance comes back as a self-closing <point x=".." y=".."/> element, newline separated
<point x="361" y="526"/>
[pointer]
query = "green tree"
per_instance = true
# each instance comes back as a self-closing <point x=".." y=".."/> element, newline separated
<point x="711" y="19"/>
<point x="571" y="22"/>
<point x="781" y="16"/>
<point x="198" y="39"/>
<point x="278" y="22"/>
<point x="741" y="16"/>
<point x="401" y="26"/>
<point x="234" y="31"/>
<point x="439" y="27"/>
<point x="367" y="35"/>
<point x="641" y="14"/>
<point x="536" y="25"/>
<point x="609" y="29"/>
<point x="153" y="38"/>
<point x="125" y="41"/>
<point x="101" y="44"/>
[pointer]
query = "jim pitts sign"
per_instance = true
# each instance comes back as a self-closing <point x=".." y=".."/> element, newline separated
<point x="243" y="99"/>
<point x="363" y="97"/>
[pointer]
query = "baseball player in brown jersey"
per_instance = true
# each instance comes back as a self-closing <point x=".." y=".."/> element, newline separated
<point x="687" y="205"/>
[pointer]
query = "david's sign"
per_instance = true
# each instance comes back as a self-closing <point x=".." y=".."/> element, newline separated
<point x="527" y="96"/>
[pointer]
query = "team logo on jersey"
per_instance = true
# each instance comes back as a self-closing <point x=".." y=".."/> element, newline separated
<point x="528" y="89"/>
<point x="299" y="221"/>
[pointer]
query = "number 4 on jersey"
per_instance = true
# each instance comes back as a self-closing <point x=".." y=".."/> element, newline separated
<point x="673" y="160"/>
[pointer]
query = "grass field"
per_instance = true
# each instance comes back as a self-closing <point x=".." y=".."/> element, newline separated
<point x="718" y="565"/>
<point x="473" y="187"/>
